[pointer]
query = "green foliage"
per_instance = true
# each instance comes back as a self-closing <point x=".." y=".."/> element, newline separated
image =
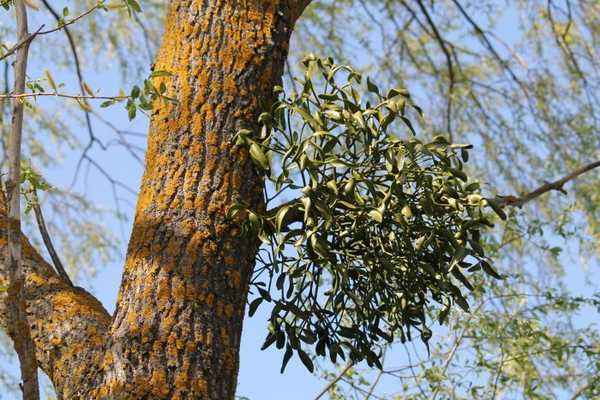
<point x="537" y="125"/>
<point x="143" y="98"/>
<point x="381" y="225"/>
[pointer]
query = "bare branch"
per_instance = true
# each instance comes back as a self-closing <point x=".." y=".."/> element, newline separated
<point x="444" y="46"/>
<point x="515" y="201"/>
<point x="19" y="327"/>
<point x="67" y="96"/>
<point x="582" y="389"/>
<point x="67" y="31"/>
<point x="39" y="217"/>
<point x="25" y="41"/>
<point x="335" y="380"/>
<point x="72" y="21"/>
<point x="21" y="43"/>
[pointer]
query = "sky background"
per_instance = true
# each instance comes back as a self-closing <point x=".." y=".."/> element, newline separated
<point x="259" y="377"/>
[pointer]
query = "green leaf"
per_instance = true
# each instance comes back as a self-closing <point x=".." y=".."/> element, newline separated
<point x="372" y="87"/>
<point x="398" y="92"/>
<point x="135" y="92"/>
<point x="376" y="215"/>
<point x="489" y="270"/>
<point x="134" y="5"/>
<point x="281" y="216"/>
<point x="254" y="306"/>
<point x="131" y="110"/>
<point x="160" y="73"/>
<point x="259" y="157"/>
<point x="459" y="174"/>
<point x="462" y="303"/>
<point x="494" y="205"/>
<point x="286" y="358"/>
<point x="306" y="360"/>
<point x="459" y="255"/>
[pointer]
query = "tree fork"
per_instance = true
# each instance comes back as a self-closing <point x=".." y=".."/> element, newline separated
<point x="176" y="331"/>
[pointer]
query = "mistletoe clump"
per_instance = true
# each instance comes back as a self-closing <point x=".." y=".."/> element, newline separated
<point x="382" y="229"/>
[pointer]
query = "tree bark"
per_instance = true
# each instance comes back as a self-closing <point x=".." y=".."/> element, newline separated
<point x="19" y="328"/>
<point x="176" y="331"/>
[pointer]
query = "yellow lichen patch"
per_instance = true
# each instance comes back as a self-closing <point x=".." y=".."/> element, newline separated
<point x="173" y="247"/>
<point x="200" y="386"/>
<point x="177" y="289"/>
<point x="230" y="261"/>
<point x="235" y="278"/>
<point x="229" y="358"/>
<point x="55" y="340"/>
<point x="163" y="293"/>
<point x="228" y="310"/>
<point x="132" y="320"/>
<point x="210" y="299"/>
<point x="171" y="350"/>
<point x="159" y="382"/>
<point x="168" y="321"/>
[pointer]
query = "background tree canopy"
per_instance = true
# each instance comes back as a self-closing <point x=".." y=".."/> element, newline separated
<point x="519" y="80"/>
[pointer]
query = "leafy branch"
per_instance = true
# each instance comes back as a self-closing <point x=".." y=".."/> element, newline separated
<point x="142" y="98"/>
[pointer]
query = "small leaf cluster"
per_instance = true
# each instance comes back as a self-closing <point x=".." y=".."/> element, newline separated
<point x="384" y="228"/>
<point x="34" y="182"/>
<point x="145" y="96"/>
<point x="133" y="6"/>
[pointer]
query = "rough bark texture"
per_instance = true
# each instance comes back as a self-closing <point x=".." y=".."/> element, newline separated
<point x="68" y="325"/>
<point x="176" y="331"/>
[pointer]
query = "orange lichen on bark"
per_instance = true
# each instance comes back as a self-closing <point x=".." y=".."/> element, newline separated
<point x="177" y="328"/>
<point x="68" y="325"/>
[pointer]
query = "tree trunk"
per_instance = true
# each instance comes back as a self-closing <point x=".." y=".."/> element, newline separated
<point x="176" y="331"/>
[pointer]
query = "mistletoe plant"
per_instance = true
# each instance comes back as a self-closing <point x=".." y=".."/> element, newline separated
<point x="384" y="228"/>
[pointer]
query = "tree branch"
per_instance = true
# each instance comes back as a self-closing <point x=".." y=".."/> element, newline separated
<point x="19" y="328"/>
<point x="515" y="201"/>
<point x="25" y="41"/>
<point x="76" y="61"/>
<point x="443" y="46"/>
<point x="64" y="95"/>
<point x="69" y="327"/>
<point x="335" y="380"/>
<point x="297" y="7"/>
<point x="39" y="217"/>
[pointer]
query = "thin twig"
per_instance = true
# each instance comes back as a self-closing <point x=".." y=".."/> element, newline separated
<point x="334" y="381"/>
<point x="25" y="41"/>
<point x="456" y="346"/>
<point x="21" y="43"/>
<point x="71" y="21"/>
<point x="449" y="64"/>
<point x="515" y="201"/>
<point x="39" y="217"/>
<point x="88" y="120"/>
<point x="378" y="378"/>
<point x="582" y="389"/>
<point x="55" y="94"/>
<point x="19" y="327"/>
